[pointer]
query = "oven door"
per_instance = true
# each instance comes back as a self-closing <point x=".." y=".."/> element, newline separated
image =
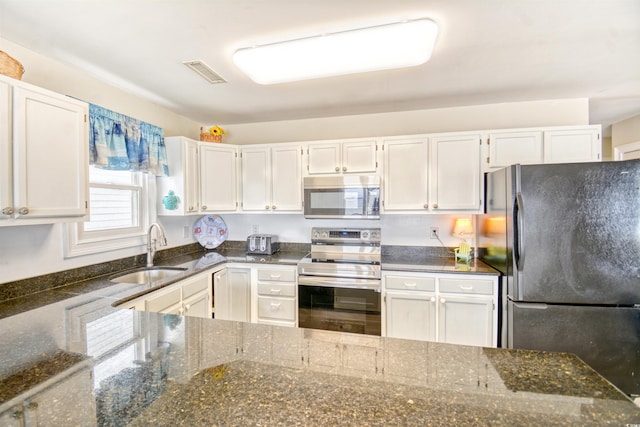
<point x="345" y="305"/>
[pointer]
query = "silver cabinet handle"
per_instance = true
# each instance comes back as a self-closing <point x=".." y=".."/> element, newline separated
<point x="344" y="168"/>
<point x="426" y="205"/>
<point x="7" y="211"/>
<point x="204" y="207"/>
<point x="190" y="208"/>
<point x="435" y="206"/>
<point x="442" y="300"/>
<point x="275" y="291"/>
<point x="433" y="299"/>
<point x="273" y="207"/>
<point x="266" y="207"/>
<point x="337" y="168"/>
<point x="410" y="284"/>
<point x="23" y="211"/>
<point x="274" y="306"/>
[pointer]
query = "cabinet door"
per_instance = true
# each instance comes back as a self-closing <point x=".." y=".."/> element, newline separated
<point x="231" y="293"/>
<point x="191" y="177"/>
<point x="508" y="148"/>
<point x="286" y="178"/>
<point x="359" y="157"/>
<point x="218" y="180"/>
<point x="256" y="193"/>
<point x="50" y="145"/>
<point x="240" y="294"/>
<point x="455" y="173"/>
<point x="324" y="158"/>
<point x="405" y="175"/>
<point x="411" y="315"/>
<point x="169" y="301"/>
<point x="6" y="168"/>
<point x="572" y="146"/>
<point x="466" y="320"/>
<point x="198" y="305"/>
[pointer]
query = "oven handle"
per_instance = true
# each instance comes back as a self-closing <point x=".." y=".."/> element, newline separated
<point x="333" y="282"/>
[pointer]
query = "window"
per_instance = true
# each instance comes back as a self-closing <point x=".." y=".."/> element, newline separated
<point x="119" y="213"/>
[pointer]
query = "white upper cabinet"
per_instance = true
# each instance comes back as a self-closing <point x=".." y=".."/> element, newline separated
<point x="435" y="174"/>
<point x="183" y="179"/>
<point x="342" y="157"/>
<point x="573" y="146"/>
<point x="272" y="178"/>
<point x="218" y="177"/>
<point x="202" y="175"/>
<point x="455" y="173"/>
<point x="508" y="148"/>
<point x="44" y="147"/>
<point x="406" y="175"/>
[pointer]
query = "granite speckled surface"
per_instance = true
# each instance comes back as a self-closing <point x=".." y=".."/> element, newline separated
<point x="111" y="367"/>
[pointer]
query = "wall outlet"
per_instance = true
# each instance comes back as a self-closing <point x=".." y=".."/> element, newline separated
<point x="433" y="232"/>
<point x="254" y="229"/>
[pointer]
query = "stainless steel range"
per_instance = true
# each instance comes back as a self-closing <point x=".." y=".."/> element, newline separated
<point x="339" y="282"/>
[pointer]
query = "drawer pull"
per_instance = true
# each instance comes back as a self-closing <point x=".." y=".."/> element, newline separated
<point x="442" y="300"/>
<point x="433" y="299"/>
<point x="275" y="276"/>
<point x="274" y="306"/>
<point x="466" y="288"/>
<point x="410" y="284"/>
<point x="275" y="291"/>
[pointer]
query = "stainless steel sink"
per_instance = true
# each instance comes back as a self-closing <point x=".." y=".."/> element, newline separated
<point x="146" y="275"/>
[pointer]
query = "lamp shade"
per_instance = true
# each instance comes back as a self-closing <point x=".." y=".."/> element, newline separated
<point x="462" y="228"/>
<point x="382" y="47"/>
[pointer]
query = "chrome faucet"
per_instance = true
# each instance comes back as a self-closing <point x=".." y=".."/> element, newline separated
<point x="151" y="243"/>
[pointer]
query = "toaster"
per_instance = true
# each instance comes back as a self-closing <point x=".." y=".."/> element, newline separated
<point x="263" y="244"/>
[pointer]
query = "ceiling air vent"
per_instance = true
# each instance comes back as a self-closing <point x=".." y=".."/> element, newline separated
<point x="205" y="71"/>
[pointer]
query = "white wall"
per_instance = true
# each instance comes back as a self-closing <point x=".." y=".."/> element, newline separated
<point x="625" y="131"/>
<point x="562" y="112"/>
<point x="28" y="251"/>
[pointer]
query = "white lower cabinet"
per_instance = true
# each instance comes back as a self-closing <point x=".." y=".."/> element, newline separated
<point x="450" y="308"/>
<point x="232" y="294"/>
<point x="276" y="290"/>
<point x="188" y="297"/>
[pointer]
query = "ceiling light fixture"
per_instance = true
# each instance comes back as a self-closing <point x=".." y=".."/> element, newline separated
<point x="383" y="47"/>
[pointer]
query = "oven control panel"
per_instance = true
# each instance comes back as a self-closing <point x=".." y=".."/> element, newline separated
<point x="346" y="235"/>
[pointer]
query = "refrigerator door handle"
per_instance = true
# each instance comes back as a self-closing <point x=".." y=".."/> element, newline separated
<point x="518" y="232"/>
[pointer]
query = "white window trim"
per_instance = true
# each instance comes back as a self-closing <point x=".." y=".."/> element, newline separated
<point x="76" y="243"/>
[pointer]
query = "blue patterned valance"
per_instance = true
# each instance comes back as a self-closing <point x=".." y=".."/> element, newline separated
<point x="119" y="142"/>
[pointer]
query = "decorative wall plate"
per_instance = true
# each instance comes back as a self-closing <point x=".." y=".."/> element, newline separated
<point x="210" y="231"/>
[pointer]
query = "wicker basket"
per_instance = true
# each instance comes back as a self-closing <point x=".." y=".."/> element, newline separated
<point x="205" y="136"/>
<point x="10" y="66"/>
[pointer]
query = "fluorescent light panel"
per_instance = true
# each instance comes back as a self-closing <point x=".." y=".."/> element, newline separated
<point x="384" y="47"/>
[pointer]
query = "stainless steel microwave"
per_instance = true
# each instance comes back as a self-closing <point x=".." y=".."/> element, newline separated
<point x="343" y="196"/>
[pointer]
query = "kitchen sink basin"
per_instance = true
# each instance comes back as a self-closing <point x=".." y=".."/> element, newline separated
<point x="146" y="275"/>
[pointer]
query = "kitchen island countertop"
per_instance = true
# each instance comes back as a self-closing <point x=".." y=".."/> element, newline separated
<point x="138" y="368"/>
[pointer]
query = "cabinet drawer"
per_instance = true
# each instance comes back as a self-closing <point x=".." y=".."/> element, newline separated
<point x="270" y="274"/>
<point x="277" y="289"/>
<point x="161" y="302"/>
<point x="276" y="308"/>
<point x="194" y="287"/>
<point x="466" y="286"/>
<point x="410" y="283"/>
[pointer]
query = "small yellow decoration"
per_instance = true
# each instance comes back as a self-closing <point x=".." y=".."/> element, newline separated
<point x="217" y="130"/>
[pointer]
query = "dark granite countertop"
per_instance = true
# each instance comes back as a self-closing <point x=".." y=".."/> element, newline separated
<point x="137" y="368"/>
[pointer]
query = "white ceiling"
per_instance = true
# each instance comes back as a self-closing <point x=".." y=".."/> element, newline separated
<point x="487" y="51"/>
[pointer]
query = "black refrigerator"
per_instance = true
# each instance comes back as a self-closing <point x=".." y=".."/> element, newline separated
<point x="566" y="238"/>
